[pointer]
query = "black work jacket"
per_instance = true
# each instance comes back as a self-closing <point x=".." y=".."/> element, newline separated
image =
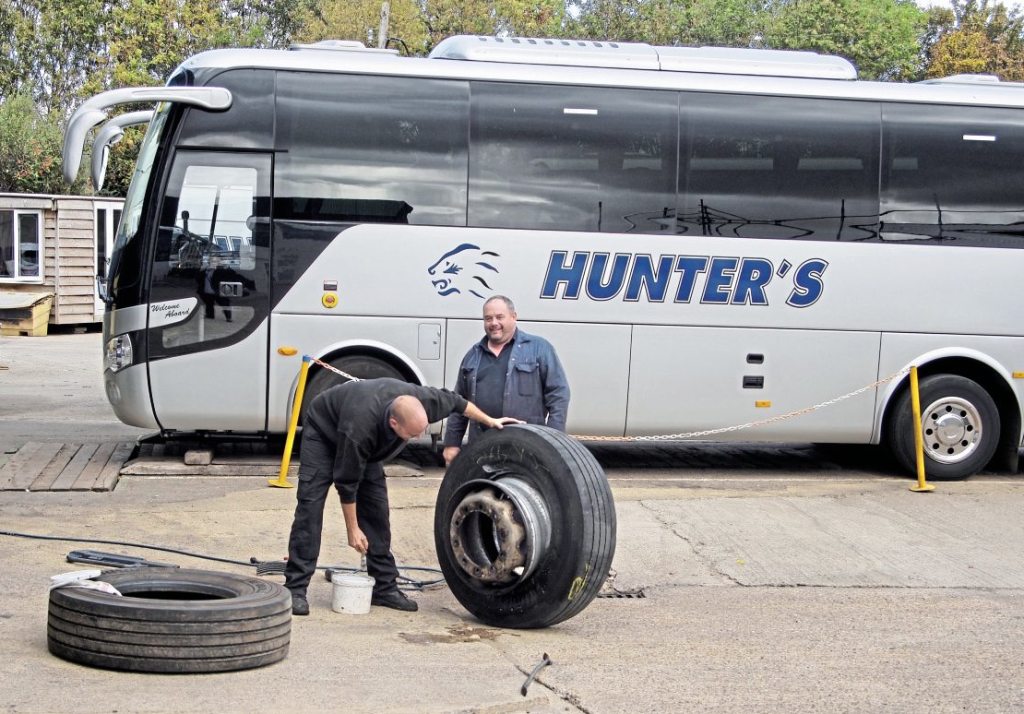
<point x="353" y="418"/>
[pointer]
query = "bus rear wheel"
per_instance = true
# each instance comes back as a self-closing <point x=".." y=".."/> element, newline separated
<point x="959" y="425"/>
<point x="524" y="527"/>
<point x="358" y="366"/>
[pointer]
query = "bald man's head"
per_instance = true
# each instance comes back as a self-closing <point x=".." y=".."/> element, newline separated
<point x="408" y="417"/>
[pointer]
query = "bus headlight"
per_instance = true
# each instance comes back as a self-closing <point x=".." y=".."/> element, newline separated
<point x="119" y="353"/>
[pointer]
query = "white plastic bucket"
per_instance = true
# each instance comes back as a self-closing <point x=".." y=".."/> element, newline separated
<point x="351" y="593"/>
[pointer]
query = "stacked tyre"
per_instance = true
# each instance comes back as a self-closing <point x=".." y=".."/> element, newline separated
<point x="171" y="620"/>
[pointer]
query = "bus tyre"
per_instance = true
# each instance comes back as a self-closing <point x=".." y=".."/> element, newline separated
<point x="171" y="620"/>
<point x="524" y="527"/>
<point x="959" y="423"/>
<point x="356" y="365"/>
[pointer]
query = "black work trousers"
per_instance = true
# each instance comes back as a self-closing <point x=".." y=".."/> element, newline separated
<point x="372" y="514"/>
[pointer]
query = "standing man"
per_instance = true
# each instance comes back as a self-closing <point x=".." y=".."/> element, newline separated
<point x="348" y="432"/>
<point x="508" y="372"/>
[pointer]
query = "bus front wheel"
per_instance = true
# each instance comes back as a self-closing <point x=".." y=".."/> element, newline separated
<point x="358" y="366"/>
<point x="959" y="425"/>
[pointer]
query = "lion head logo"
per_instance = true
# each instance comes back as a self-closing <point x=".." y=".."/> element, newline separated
<point x="465" y="268"/>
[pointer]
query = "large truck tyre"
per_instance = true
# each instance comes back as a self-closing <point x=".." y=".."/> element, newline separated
<point x="173" y="621"/>
<point x="524" y="527"/>
<point x="959" y="425"/>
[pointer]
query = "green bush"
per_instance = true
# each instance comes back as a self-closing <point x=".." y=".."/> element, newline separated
<point x="30" y="149"/>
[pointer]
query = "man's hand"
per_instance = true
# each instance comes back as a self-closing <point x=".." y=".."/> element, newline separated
<point x="356" y="537"/>
<point x="357" y="540"/>
<point x="473" y="412"/>
<point x="449" y="453"/>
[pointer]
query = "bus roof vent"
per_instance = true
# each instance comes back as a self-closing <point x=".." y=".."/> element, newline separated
<point x="638" y="55"/>
<point x="972" y="79"/>
<point x="341" y="46"/>
<point x="528" y="50"/>
<point x="768" y="63"/>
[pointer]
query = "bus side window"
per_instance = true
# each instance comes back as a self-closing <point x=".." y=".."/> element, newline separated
<point x="572" y="158"/>
<point x="392" y="151"/>
<point x="945" y="175"/>
<point x="777" y="167"/>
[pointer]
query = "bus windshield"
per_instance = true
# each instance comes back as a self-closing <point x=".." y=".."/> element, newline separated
<point x="134" y="201"/>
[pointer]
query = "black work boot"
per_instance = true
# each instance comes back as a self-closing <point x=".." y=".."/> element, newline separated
<point x="300" y="605"/>
<point x="396" y="600"/>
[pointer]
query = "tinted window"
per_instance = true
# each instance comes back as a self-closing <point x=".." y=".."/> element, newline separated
<point x="247" y="124"/>
<point x="209" y="272"/>
<point x="950" y="175"/>
<point x="373" y="149"/>
<point x="572" y="158"/>
<point x="776" y="167"/>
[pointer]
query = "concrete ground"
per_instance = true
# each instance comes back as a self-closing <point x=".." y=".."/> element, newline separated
<point x="774" y="580"/>
<point x="762" y="594"/>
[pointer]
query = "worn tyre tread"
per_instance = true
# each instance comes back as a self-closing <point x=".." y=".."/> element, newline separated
<point x="134" y="625"/>
<point x="170" y="650"/>
<point x="167" y="665"/>
<point x="170" y="639"/>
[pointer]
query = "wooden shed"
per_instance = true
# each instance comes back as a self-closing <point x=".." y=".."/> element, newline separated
<point x="56" y="246"/>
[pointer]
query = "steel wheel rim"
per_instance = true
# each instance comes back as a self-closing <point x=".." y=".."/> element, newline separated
<point x="952" y="430"/>
<point x="499" y="530"/>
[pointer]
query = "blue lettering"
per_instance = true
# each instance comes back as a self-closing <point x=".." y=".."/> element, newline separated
<point x="569" y="275"/>
<point x="754" y="275"/>
<point x="722" y="280"/>
<point x="720" y="275"/>
<point x="644" y="278"/>
<point x="597" y="287"/>
<point x="689" y="267"/>
<point x="807" y="284"/>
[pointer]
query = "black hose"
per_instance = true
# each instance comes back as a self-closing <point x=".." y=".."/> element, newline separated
<point x="417" y="584"/>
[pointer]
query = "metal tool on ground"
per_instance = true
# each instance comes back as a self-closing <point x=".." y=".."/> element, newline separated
<point x="96" y="557"/>
<point x="544" y="662"/>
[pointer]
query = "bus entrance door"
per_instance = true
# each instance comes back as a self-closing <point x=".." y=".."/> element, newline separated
<point x="209" y="294"/>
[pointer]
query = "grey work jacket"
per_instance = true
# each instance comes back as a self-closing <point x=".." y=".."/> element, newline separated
<point x="536" y="388"/>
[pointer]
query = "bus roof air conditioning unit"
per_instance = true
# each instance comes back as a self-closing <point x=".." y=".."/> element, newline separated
<point x="766" y="63"/>
<point x="529" y="50"/>
<point x="341" y="46"/>
<point x="639" y="55"/>
<point x="986" y="79"/>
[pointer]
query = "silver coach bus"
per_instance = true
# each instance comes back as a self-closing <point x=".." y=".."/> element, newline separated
<point x="708" y="236"/>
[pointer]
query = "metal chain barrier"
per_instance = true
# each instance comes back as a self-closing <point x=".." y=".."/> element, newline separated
<point x="706" y="432"/>
<point x="749" y="424"/>
<point x="334" y="369"/>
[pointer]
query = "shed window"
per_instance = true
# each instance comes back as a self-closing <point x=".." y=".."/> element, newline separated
<point x="21" y="245"/>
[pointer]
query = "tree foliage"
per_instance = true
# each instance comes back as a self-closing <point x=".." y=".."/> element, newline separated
<point x="880" y="37"/>
<point x="359" y="20"/>
<point x="54" y="53"/>
<point x="977" y="38"/>
<point x="30" y="146"/>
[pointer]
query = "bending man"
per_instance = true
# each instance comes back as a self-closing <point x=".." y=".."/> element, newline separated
<point x="349" y="431"/>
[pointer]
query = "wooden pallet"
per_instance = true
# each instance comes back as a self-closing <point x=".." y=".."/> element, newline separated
<point x="45" y="466"/>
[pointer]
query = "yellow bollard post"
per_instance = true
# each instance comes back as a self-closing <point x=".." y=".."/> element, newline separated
<point x="300" y="390"/>
<point x="915" y="400"/>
